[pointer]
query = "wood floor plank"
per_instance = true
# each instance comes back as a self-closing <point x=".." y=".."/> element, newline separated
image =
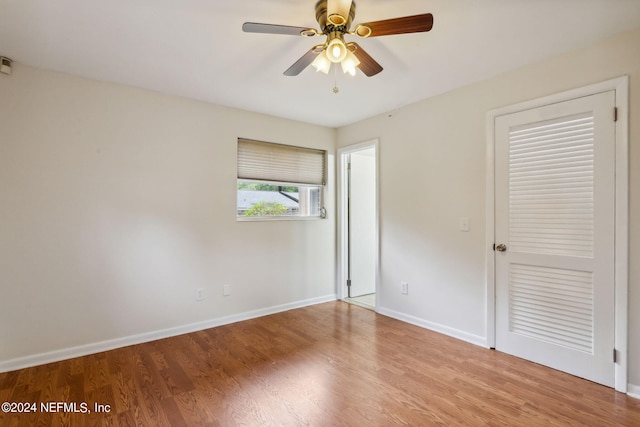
<point x="331" y="364"/>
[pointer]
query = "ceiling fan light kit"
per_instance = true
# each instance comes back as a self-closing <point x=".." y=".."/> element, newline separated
<point x="335" y="18"/>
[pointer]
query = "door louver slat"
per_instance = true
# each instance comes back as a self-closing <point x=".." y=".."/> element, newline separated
<point x="551" y="192"/>
<point x="552" y="305"/>
<point x="551" y="186"/>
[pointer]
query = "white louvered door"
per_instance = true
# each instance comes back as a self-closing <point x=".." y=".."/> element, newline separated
<point x="555" y="212"/>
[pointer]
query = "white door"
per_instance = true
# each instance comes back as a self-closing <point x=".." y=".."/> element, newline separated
<point x="554" y="231"/>
<point x="362" y="222"/>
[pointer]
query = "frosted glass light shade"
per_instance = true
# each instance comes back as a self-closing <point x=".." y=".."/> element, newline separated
<point x="336" y="50"/>
<point x="350" y="63"/>
<point x="322" y="63"/>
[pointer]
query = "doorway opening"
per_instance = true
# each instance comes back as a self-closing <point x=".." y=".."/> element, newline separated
<point x="358" y="224"/>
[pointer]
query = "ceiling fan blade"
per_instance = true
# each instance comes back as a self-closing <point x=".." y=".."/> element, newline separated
<point x="367" y="65"/>
<point x="255" y="27"/>
<point x="338" y="8"/>
<point x="407" y="24"/>
<point x="302" y="63"/>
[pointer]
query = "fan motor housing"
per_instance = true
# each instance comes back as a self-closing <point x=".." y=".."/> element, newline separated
<point x="321" y="17"/>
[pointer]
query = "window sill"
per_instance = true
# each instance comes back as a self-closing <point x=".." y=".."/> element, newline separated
<point x="277" y="218"/>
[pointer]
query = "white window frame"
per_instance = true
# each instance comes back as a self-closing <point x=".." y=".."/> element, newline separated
<point x="317" y="179"/>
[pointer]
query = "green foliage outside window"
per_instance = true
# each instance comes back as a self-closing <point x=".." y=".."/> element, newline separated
<point x="266" y="209"/>
<point x="257" y="186"/>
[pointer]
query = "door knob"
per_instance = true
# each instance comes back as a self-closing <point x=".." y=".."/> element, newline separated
<point x="501" y="247"/>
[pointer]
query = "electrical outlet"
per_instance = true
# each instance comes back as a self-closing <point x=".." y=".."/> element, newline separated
<point x="226" y="290"/>
<point x="404" y="288"/>
<point x="200" y="294"/>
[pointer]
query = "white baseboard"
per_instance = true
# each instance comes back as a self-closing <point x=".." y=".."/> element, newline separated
<point x="86" y="349"/>
<point x="633" y="391"/>
<point x="445" y="330"/>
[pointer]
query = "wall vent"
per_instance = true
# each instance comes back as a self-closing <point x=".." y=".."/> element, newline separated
<point x="5" y="65"/>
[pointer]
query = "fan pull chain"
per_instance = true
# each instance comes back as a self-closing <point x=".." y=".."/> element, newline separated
<point x="335" y="79"/>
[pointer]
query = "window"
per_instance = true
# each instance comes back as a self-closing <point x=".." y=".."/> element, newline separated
<point x="279" y="181"/>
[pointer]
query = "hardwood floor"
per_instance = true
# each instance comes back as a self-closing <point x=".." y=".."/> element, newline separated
<point x="332" y="364"/>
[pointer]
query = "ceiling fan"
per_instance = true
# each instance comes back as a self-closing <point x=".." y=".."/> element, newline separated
<point x="335" y="18"/>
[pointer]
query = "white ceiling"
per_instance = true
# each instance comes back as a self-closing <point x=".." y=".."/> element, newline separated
<point x="196" y="48"/>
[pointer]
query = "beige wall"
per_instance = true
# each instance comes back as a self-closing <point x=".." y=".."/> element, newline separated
<point x="117" y="203"/>
<point x="432" y="172"/>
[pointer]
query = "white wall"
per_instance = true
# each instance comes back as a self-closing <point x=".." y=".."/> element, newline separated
<point x="432" y="172"/>
<point x="117" y="203"/>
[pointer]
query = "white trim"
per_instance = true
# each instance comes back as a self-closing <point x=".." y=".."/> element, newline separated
<point x="622" y="232"/>
<point x="86" y="349"/>
<point x="436" y="327"/>
<point x="490" y="325"/>
<point x="633" y="391"/>
<point x="341" y="271"/>
<point x="621" y="87"/>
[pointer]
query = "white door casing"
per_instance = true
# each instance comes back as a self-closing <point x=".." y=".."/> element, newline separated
<point x="558" y="201"/>
<point x="555" y="214"/>
<point x="343" y="229"/>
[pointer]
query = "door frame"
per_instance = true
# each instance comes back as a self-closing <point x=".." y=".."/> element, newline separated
<point x="621" y="251"/>
<point x="343" y="236"/>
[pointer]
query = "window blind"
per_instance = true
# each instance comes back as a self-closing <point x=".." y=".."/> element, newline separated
<point x="265" y="161"/>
